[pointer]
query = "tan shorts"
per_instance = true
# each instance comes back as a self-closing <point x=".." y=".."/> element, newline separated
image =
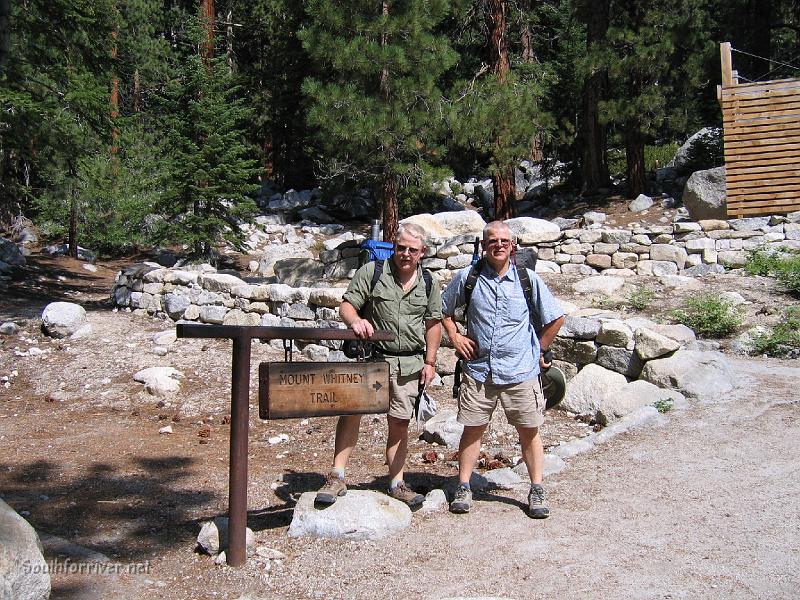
<point x="523" y="402"/>
<point x="403" y="392"/>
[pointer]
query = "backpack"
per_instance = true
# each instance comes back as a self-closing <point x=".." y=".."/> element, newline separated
<point x="374" y="250"/>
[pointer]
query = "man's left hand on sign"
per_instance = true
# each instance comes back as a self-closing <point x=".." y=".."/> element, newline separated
<point x="362" y="328"/>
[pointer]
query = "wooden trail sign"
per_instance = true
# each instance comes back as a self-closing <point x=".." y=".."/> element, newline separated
<point x="242" y="337"/>
<point x="288" y="390"/>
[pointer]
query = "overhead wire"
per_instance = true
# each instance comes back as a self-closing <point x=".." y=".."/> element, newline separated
<point x="769" y="60"/>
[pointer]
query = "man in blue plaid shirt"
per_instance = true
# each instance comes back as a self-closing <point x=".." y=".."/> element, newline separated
<point x="503" y="359"/>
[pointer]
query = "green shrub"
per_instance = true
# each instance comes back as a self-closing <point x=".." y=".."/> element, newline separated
<point x="641" y="297"/>
<point x="656" y="157"/>
<point x="788" y="273"/>
<point x="761" y="263"/>
<point x="783" y="338"/>
<point x="709" y="316"/>
<point x="663" y="405"/>
<point x="783" y="265"/>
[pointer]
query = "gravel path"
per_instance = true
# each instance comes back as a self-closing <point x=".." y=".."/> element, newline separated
<point x="703" y="506"/>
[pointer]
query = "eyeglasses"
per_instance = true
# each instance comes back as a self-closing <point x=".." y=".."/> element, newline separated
<point x="399" y="248"/>
<point x="498" y="242"/>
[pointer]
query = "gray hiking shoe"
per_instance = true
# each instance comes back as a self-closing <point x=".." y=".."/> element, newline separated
<point x="537" y="503"/>
<point x="405" y="494"/>
<point x="333" y="488"/>
<point x="462" y="501"/>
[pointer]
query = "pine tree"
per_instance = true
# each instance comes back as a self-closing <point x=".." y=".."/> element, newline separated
<point x="377" y="104"/>
<point x="495" y="111"/>
<point x="594" y="162"/>
<point x="212" y="171"/>
<point x="54" y="98"/>
<point x="648" y="54"/>
<point x="273" y="64"/>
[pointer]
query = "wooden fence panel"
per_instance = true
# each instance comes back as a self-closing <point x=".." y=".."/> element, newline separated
<point x="761" y="132"/>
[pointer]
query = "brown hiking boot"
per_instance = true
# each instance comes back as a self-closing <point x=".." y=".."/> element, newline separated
<point x="405" y="494"/>
<point x="333" y="488"/>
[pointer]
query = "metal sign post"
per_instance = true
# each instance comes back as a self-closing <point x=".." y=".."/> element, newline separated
<point x="242" y="337"/>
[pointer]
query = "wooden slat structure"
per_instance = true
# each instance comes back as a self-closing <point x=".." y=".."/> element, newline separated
<point x="761" y="129"/>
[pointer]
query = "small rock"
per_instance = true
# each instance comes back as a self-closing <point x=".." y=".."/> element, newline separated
<point x="8" y="328"/>
<point x="167" y="429"/>
<point x="270" y="553"/>
<point x="434" y="500"/>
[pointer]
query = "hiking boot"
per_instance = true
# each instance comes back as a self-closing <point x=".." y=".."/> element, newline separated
<point x="333" y="488"/>
<point x="537" y="503"/>
<point x="462" y="501"/>
<point x="405" y="494"/>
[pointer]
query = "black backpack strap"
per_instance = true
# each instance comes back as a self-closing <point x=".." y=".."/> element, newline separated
<point x="471" y="282"/>
<point x="527" y="289"/>
<point x="426" y="275"/>
<point x="376" y="275"/>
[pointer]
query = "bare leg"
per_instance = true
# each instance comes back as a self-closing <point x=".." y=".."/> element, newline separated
<point x="532" y="452"/>
<point x="346" y="438"/>
<point x="396" y="446"/>
<point x="468" y="450"/>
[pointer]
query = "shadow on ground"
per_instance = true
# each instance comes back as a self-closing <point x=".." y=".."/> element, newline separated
<point x="129" y="514"/>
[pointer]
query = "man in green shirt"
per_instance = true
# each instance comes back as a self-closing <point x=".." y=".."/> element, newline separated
<point x="399" y="303"/>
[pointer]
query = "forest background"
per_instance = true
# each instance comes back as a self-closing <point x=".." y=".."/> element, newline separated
<point x="128" y="123"/>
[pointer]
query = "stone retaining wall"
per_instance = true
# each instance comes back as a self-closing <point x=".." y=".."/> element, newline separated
<point x="202" y="295"/>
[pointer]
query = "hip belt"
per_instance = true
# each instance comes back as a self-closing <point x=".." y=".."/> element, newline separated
<point x="404" y="353"/>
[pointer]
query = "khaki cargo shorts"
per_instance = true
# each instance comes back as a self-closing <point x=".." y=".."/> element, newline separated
<point x="403" y="392"/>
<point x="523" y="402"/>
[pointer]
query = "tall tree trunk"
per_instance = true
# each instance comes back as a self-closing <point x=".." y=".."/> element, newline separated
<point x="229" y="41"/>
<point x="634" y="156"/>
<point x="72" y="240"/>
<point x="390" y="184"/>
<point x="529" y="56"/>
<point x="759" y="23"/>
<point x="209" y="15"/>
<point x="137" y="91"/>
<point x="503" y="179"/>
<point x="5" y="33"/>
<point x="594" y="166"/>
<point x="114" y="100"/>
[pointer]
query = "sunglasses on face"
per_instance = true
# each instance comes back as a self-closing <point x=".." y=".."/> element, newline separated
<point x="502" y="242"/>
<point x="400" y="249"/>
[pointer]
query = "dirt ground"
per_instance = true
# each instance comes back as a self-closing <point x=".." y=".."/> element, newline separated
<point x="702" y="506"/>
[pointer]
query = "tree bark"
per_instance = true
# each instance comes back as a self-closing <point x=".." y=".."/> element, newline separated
<point x="759" y="26"/>
<point x="634" y="156"/>
<point x="594" y="166"/>
<point x="503" y="179"/>
<point x="137" y="91"/>
<point x="5" y="33"/>
<point x="209" y="15"/>
<point x="72" y="239"/>
<point x="114" y="100"/>
<point x="390" y="184"/>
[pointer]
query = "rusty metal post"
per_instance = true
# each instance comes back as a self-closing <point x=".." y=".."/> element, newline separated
<point x="237" y="482"/>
